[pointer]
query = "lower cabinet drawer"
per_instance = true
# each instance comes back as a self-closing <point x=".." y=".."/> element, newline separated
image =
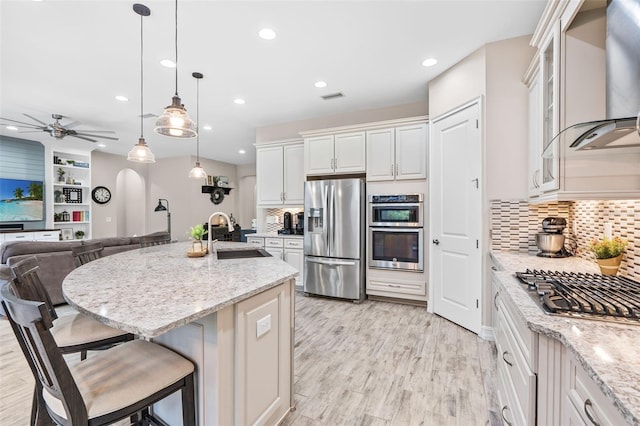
<point x="417" y="288"/>
<point x="273" y="242"/>
<point x="510" y="409"/>
<point x="512" y="361"/>
<point x="256" y="241"/>
<point x="583" y="398"/>
<point x="18" y="236"/>
<point x="47" y="236"/>
<point x="293" y="243"/>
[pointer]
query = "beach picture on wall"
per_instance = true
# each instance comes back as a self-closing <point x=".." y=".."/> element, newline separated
<point x="21" y="200"/>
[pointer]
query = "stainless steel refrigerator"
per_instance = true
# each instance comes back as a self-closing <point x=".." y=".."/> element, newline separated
<point x="334" y="238"/>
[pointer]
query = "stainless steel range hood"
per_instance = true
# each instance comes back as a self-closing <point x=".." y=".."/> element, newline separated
<point x="622" y="88"/>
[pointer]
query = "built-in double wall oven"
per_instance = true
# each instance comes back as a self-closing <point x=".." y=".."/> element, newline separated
<point x="396" y="234"/>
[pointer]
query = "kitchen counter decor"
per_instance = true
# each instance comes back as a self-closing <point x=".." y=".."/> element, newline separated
<point x="608" y="254"/>
<point x="198" y="249"/>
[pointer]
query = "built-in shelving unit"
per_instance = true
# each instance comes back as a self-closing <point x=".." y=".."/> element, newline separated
<point x="71" y="201"/>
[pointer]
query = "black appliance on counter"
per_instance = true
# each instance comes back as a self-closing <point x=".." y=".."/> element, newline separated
<point x="551" y="240"/>
<point x="584" y="295"/>
<point x="287" y="224"/>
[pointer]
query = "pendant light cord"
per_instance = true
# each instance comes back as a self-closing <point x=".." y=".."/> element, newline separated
<point x="141" y="80"/>
<point x="198" y="120"/>
<point x="176" y="47"/>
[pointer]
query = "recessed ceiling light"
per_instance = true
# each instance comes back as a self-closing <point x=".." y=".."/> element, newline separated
<point x="429" y="62"/>
<point x="320" y="84"/>
<point x="168" y="63"/>
<point x="267" y="34"/>
<point x="239" y="101"/>
<point x="207" y="127"/>
<point x="101" y="145"/>
<point x="121" y="98"/>
<point x="14" y="128"/>
<point x="242" y="151"/>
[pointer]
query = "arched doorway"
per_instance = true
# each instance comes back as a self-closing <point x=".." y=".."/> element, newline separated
<point x="131" y="204"/>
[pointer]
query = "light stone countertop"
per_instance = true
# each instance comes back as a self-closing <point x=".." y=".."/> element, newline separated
<point x="152" y="290"/>
<point x="608" y="352"/>
<point x="274" y="235"/>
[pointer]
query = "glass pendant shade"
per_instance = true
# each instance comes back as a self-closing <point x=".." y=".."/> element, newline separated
<point x="175" y="121"/>
<point x="141" y="153"/>
<point x="197" y="172"/>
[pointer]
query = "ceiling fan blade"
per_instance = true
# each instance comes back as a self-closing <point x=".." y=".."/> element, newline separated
<point x="83" y="137"/>
<point x="32" y="131"/>
<point x="94" y="136"/>
<point x="72" y="124"/>
<point x="34" y="119"/>
<point x="94" y="131"/>
<point x="20" y="122"/>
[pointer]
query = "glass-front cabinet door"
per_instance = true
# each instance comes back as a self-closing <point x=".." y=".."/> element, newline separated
<point x="550" y="109"/>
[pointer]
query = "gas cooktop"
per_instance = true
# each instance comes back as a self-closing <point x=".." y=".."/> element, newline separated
<point x="584" y="295"/>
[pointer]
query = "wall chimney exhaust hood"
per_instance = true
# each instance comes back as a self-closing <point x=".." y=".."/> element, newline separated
<point x="622" y="86"/>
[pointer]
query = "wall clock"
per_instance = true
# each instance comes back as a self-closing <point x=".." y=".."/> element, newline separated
<point x="101" y="194"/>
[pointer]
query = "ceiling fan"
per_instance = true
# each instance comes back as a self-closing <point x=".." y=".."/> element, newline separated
<point x="58" y="130"/>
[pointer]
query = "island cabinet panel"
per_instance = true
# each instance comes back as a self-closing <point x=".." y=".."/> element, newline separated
<point x="263" y="355"/>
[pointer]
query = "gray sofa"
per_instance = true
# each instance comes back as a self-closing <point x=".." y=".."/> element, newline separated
<point x="55" y="259"/>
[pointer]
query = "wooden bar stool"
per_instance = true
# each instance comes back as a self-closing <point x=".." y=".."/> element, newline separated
<point x="154" y="240"/>
<point x="86" y="253"/>
<point x="111" y="385"/>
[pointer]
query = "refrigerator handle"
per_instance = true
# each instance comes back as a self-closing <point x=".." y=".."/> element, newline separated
<point x="325" y="211"/>
<point x="332" y="262"/>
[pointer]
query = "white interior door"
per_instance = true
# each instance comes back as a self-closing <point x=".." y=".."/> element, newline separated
<point x="456" y="212"/>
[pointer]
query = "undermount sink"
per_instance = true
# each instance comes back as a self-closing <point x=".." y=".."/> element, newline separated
<point x="242" y="254"/>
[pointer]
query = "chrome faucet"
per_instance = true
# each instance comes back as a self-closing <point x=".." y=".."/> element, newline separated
<point x="210" y="243"/>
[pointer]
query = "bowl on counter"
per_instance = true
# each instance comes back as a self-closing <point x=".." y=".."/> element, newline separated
<point x="549" y="243"/>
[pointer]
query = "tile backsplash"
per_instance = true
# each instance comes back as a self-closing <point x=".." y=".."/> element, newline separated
<point x="514" y="224"/>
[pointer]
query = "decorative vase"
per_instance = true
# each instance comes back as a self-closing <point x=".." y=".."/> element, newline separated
<point x="609" y="266"/>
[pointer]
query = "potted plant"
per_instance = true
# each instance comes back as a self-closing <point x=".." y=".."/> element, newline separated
<point x="197" y="232"/>
<point x="79" y="235"/>
<point x="61" y="174"/>
<point x="59" y="197"/>
<point x="608" y="253"/>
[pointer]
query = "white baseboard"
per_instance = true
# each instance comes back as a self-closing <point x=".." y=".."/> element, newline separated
<point x="487" y="333"/>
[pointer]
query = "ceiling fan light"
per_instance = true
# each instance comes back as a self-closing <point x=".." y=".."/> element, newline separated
<point x="140" y="153"/>
<point x="197" y="172"/>
<point x="175" y="122"/>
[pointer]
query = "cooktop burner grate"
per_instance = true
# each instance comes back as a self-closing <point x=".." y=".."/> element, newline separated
<point x="584" y="294"/>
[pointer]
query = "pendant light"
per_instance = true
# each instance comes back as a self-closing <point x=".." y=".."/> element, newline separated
<point x="140" y="152"/>
<point x="197" y="172"/>
<point x="175" y="121"/>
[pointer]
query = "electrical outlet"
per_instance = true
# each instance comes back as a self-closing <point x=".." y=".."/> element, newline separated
<point x="263" y="326"/>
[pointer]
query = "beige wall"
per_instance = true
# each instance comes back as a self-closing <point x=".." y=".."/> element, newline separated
<point x="167" y="178"/>
<point x="291" y="130"/>
<point x="458" y="85"/>
<point x="506" y="119"/>
<point x="104" y="171"/>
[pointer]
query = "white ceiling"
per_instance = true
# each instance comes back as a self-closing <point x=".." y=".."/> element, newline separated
<point x="73" y="57"/>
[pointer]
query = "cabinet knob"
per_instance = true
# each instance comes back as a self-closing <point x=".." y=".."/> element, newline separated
<point x="436" y="241"/>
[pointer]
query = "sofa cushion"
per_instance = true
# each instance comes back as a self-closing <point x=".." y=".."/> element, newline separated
<point x="112" y="241"/>
<point x="17" y="248"/>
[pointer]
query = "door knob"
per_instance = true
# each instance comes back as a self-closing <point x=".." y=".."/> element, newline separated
<point x="436" y="242"/>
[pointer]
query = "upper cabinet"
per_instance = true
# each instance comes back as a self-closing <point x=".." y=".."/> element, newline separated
<point x="567" y="86"/>
<point x="335" y="154"/>
<point x="397" y="154"/>
<point x="280" y="174"/>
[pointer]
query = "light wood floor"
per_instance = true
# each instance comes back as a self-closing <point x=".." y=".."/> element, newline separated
<point x="375" y="363"/>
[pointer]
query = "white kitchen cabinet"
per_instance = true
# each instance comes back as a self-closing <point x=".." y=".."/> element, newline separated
<point x="257" y="241"/>
<point x="395" y="284"/>
<point x="397" y="154"/>
<point x="51" y="235"/>
<point x="294" y="255"/>
<point x="535" y="122"/>
<point x="280" y="174"/>
<point x="584" y="403"/>
<point x="517" y="357"/>
<point x="335" y="154"/>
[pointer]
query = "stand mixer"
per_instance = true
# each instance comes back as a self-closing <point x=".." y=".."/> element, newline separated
<point x="551" y="240"/>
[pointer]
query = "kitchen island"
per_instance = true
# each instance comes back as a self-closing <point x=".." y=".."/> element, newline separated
<point x="233" y="318"/>
<point x="579" y="360"/>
